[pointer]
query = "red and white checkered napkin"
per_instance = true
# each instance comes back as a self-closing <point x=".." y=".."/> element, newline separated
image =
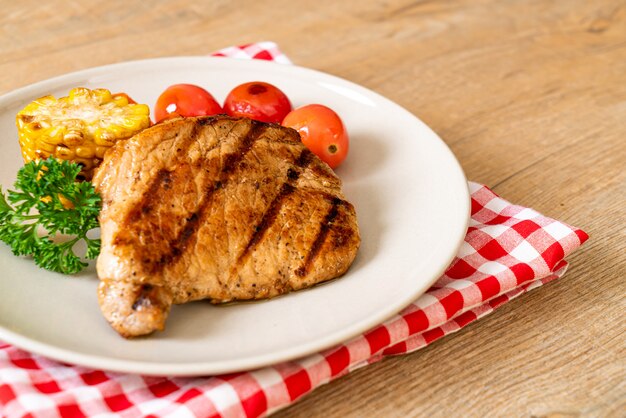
<point x="508" y="251"/>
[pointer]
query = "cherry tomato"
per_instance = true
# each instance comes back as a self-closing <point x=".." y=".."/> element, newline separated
<point x="185" y="100"/>
<point x="322" y="131"/>
<point x="258" y="100"/>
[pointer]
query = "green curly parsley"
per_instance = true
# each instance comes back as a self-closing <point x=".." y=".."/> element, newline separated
<point x="39" y="186"/>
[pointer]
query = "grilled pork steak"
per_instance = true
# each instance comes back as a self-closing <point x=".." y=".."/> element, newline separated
<point x="215" y="208"/>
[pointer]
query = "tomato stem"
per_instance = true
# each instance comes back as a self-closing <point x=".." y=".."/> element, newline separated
<point x="257" y="89"/>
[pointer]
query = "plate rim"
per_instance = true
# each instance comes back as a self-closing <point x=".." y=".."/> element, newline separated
<point x="151" y="368"/>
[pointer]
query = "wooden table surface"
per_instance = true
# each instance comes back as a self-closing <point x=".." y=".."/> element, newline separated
<point x="530" y="96"/>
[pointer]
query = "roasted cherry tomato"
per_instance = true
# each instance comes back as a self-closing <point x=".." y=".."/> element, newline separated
<point x="185" y="100"/>
<point x="258" y="100"/>
<point x="322" y="131"/>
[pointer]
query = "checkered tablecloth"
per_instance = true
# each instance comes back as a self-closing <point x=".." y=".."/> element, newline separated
<point x="508" y="250"/>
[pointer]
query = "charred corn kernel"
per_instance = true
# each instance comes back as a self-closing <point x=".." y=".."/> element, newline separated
<point x="79" y="127"/>
<point x="73" y="138"/>
<point x="42" y="155"/>
<point x="64" y="153"/>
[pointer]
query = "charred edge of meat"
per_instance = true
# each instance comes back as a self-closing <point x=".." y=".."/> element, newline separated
<point x="321" y="236"/>
<point x="193" y="135"/>
<point x="145" y="297"/>
<point x="179" y="244"/>
<point x="208" y="120"/>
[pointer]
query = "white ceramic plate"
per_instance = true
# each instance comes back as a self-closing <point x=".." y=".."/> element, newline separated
<point x="409" y="192"/>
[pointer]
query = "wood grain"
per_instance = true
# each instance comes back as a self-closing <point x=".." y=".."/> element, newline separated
<point x="531" y="97"/>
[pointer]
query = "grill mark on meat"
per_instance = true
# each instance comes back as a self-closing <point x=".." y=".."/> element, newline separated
<point x="269" y="217"/>
<point x="161" y="179"/>
<point x="232" y="160"/>
<point x="305" y="158"/>
<point x="330" y="197"/>
<point x="270" y="214"/>
<point x="321" y="236"/>
<point x="179" y="245"/>
<point x="266" y="221"/>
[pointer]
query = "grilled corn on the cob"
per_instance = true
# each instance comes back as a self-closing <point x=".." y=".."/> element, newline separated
<point x="79" y="127"/>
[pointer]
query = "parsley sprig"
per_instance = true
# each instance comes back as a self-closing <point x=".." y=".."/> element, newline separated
<point x="48" y="198"/>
